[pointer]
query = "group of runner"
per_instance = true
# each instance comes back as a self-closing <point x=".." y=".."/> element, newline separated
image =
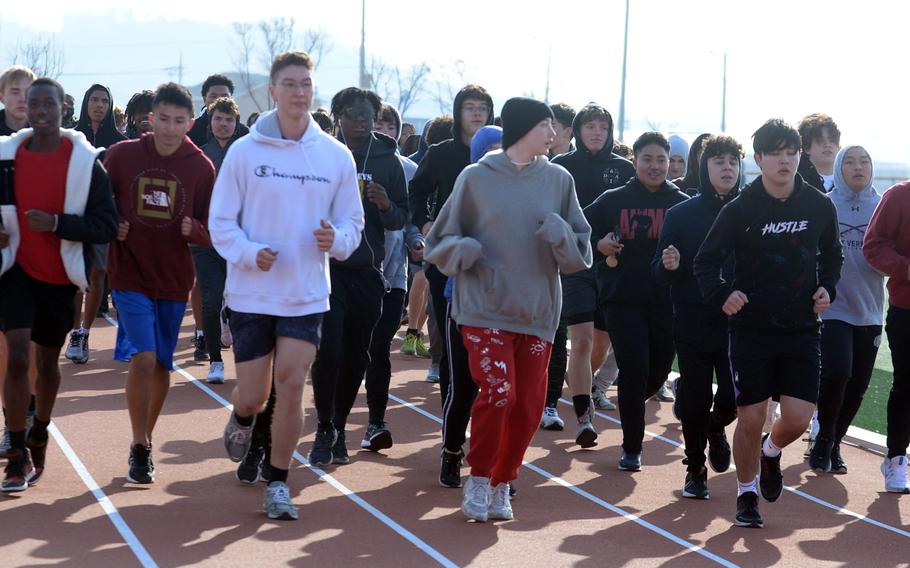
<point x="302" y="240"/>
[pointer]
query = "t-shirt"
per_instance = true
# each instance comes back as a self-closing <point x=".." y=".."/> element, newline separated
<point x="40" y="184"/>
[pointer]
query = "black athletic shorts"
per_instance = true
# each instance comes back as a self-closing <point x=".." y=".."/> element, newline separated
<point x="255" y="335"/>
<point x="27" y="303"/>
<point x="579" y="299"/>
<point x="770" y="365"/>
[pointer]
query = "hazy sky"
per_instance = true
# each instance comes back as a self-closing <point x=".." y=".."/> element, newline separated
<point x="785" y="57"/>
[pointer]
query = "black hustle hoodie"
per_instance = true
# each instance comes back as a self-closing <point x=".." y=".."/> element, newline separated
<point x="594" y="173"/>
<point x="685" y="227"/>
<point x="107" y="134"/>
<point x="439" y="168"/>
<point x="783" y="250"/>
<point x="379" y="159"/>
<point x="637" y="215"/>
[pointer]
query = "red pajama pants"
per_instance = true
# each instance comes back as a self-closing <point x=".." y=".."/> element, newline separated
<point x="510" y="370"/>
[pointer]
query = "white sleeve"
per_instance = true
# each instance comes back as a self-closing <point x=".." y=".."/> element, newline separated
<point x="228" y="237"/>
<point x="346" y="212"/>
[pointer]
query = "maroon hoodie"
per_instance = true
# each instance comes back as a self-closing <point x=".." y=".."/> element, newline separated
<point x="154" y="194"/>
<point x="887" y="243"/>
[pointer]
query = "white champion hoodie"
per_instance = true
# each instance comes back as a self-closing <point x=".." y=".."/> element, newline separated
<point x="272" y="192"/>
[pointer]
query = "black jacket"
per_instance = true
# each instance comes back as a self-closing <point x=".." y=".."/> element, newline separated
<point x="637" y="215"/>
<point x="379" y="159"/>
<point x="201" y="132"/>
<point x="4" y="129"/>
<point x="810" y="173"/>
<point x="783" y="250"/>
<point x="107" y="134"/>
<point x="685" y="227"/>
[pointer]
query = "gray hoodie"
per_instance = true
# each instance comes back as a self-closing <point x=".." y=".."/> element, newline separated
<point x="860" y="291"/>
<point x="507" y="234"/>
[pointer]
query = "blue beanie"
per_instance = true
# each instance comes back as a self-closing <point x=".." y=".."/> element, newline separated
<point x="679" y="147"/>
<point x="483" y="139"/>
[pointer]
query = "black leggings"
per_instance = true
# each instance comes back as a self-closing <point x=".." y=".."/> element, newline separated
<point x="898" y="329"/>
<point x="211" y="272"/>
<point x="456" y="409"/>
<point x="437" y="281"/>
<point x="848" y="357"/>
<point x="559" y="362"/>
<point x="379" y="370"/>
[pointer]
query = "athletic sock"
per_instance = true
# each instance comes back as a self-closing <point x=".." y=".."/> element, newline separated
<point x="769" y="449"/>
<point x="39" y="430"/>
<point x="17" y="439"/>
<point x="412" y="331"/>
<point x="199" y="333"/>
<point x="745" y="487"/>
<point x="581" y="402"/>
<point x="31" y="405"/>
<point x="896" y="453"/>
<point x="278" y="474"/>
<point x="245" y="421"/>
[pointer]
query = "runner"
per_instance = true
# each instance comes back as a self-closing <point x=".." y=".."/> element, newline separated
<point x="55" y="200"/>
<point x="679" y="152"/>
<point x="784" y="239"/>
<point x="213" y="88"/>
<point x="821" y="141"/>
<point x="276" y="239"/>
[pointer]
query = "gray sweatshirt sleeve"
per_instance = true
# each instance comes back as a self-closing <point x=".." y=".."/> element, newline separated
<point x="447" y="246"/>
<point x="569" y="235"/>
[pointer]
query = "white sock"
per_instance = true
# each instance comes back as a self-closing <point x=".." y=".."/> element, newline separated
<point x="745" y="487"/>
<point x="769" y="449"/>
<point x="199" y="333"/>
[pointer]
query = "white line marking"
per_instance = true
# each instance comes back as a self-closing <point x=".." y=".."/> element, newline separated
<point x="109" y="509"/>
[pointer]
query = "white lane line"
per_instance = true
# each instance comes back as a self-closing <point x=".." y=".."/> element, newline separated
<point x="109" y="509"/>
<point x="594" y="499"/>
<point x="803" y="494"/>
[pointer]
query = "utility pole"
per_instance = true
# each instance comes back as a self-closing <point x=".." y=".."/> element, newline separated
<point x="622" y="94"/>
<point x="180" y="69"/>
<point x="546" y="93"/>
<point x="364" y="80"/>
<point x="723" y="112"/>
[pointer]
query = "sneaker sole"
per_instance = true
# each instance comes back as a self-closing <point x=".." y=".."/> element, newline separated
<point x="586" y="439"/>
<point x="80" y="361"/>
<point x="474" y="517"/>
<point x="214" y="381"/>
<point x="382" y="441"/>
<point x="282" y="517"/>
<point x="688" y="495"/>
<point x="625" y="468"/>
<point x="320" y="464"/>
<point x="130" y="479"/>
<point x="449" y="485"/>
<point x="553" y="427"/>
<point x="14" y="488"/>
<point x="341" y="461"/>
<point x="750" y="524"/>
<point x="500" y="516"/>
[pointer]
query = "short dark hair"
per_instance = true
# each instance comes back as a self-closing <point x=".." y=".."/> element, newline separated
<point x="172" y="93"/>
<point x="812" y="127"/>
<point x="251" y="120"/>
<point x="775" y="134"/>
<point x="563" y="113"/>
<point x="139" y="102"/>
<point x="217" y="80"/>
<point x="346" y="97"/>
<point x="287" y="59"/>
<point x="323" y="119"/>
<point x="225" y="105"/>
<point x="623" y="150"/>
<point x="721" y="145"/>
<point x="411" y="145"/>
<point x="48" y="82"/>
<point x="649" y="138"/>
<point x="440" y="129"/>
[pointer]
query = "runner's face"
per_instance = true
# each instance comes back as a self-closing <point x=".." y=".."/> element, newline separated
<point x="474" y="115"/>
<point x="723" y="172"/>
<point x="857" y="168"/>
<point x="651" y="166"/>
<point x="563" y="133"/>
<point x="215" y="92"/>
<point x="677" y="167"/>
<point x="778" y="166"/>
<point x="386" y="127"/>
<point x="594" y="135"/>
<point x="170" y="124"/>
<point x="141" y="122"/>
<point x="823" y="151"/>
<point x="13" y="98"/>
<point x="357" y="121"/>
<point x="293" y="91"/>
<point x="540" y="138"/>
<point x="99" y="103"/>
<point x="44" y="109"/>
<point x="223" y="125"/>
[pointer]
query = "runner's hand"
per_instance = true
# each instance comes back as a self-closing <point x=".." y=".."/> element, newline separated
<point x="122" y="230"/>
<point x="186" y="227"/>
<point x="265" y="258"/>
<point x="609" y="246"/>
<point x="822" y="300"/>
<point x="4" y="239"/>
<point x="39" y="221"/>
<point x="417" y="252"/>
<point x="735" y="302"/>
<point x="670" y="258"/>
<point x="376" y="194"/>
<point x="325" y="236"/>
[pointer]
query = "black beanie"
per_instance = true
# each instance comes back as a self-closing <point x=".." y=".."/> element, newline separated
<point x="519" y="116"/>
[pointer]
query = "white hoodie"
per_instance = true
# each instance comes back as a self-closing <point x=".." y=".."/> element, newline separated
<point x="272" y="192"/>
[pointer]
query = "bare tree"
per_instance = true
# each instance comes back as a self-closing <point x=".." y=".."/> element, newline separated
<point x="411" y="85"/>
<point x="452" y="79"/>
<point x="41" y="54"/>
<point x="244" y="48"/>
<point x="278" y="34"/>
<point x="317" y="44"/>
<point x="380" y="77"/>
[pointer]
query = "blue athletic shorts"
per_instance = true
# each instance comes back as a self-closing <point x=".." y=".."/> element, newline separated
<point x="147" y="325"/>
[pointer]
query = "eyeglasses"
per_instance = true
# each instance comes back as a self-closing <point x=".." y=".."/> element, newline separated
<point x="355" y="113"/>
<point x="476" y="108"/>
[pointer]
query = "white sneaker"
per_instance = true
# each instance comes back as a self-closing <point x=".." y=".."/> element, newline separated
<point x="601" y="402"/>
<point x="500" y="504"/>
<point x="476" y="501"/>
<point x="665" y="394"/>
<point x="277" y="502"/>
<point x="216" y="373"/>
<point x="895" y="472"/>
<point x="551" y="420"/>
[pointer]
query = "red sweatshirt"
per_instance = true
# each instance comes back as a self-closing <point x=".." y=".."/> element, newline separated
<point x="887" y="242"/>
<point x="154" y="194"/>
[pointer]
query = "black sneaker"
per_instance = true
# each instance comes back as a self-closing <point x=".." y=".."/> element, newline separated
<point x="141" y="469"/>
<point x="321" y="454"/>
<point x="38" y="449"/>
<point x="838" y="467"/>
<point x="696" y="486"/>
<point x="771" y="480"/>
<point x="340" y="450"/>
<point x="820" y="456"/>
<point x="17" y="472"/>
<point x="248" y="470"/>
<point x="719" y="451"/>
<point x="747" y="511"/>
<point x="265" y="466"/>
<point x="377" y="437"/>
<point x="450" y="469"/>
<point x="200" y="353"/>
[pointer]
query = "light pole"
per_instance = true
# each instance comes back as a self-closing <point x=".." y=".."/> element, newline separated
<point x="364" y="80"/>
<point x="622" y="93"/>
<point x="723" y="108"/>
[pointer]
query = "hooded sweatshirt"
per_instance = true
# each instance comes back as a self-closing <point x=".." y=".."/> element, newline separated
<point x="508" y="265"/>
<point x="861" y="291"/>
<point x="213" y="150"/>
<point x="784" y="251"/>
<point x="637" y="216"/>
<point x="273" y="192"/>
<point x="107" y="134"/>
<point x="679" y="147"/>
<point x="685" y="227"/>
<point x="810" y="173"/>
<point x="153" y="194"/>
<point x="437" y="171"/>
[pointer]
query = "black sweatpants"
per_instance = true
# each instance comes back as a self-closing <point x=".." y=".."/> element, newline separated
<point x="897" y="325"/>
<point x="642" y="338"/>
<point x="559" y="363"/>
<point x="211" y="273"/>
<point x="456" y="408"/>
<point x="702" y="349"/>
<point x="379" y="370"/>
<point x="437" y="281"/>
<point x="343" y="355"/>
<point x="848" y="357"/>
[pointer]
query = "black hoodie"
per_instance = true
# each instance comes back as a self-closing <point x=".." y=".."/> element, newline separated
<point x="810" y="173"/>
<point x="594" y="173"/>
<point x="379" y="158"/>
<point x="783" y="250"/>
<point x="439" y="168"/>
<point x="107" y="134"/>
<point x="685" y="227"/>
<point x="638" y="216"/>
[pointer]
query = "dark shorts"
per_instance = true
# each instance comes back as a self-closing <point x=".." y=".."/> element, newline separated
<point x="579" y="299"/>
<point x="27" y="303"/>
<point x="255" y="334"/>
<point x="768" y="365"/>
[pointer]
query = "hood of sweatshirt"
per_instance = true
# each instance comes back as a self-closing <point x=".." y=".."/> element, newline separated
<point x="499" y="162"/>
<point x="377" y="146"/>
<point x="707" y="189"/>
<point x="580" y="118"/>
<point x="456" y="111"/>
<point x="107" y="134"/>
<point x="266" y="130"/>
<point x="841" y="190"/>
